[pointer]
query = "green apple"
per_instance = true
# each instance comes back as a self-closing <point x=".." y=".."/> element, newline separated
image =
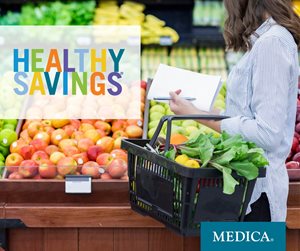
<point x="153" y="124"/>
<point x="7" y="136"/>
<point x="169" y="112"/>
<point x="177" y="122"/>
<point x="153" y="103"/>
<point x="9" y="126"/>
<point x="2" y="158"/>
<point x="187" y="123"/>
<point x="157" y="108"/>
<point x="178" y="130"/>
<point x="220" y="97"/>
<point x="190" y="129"/>
<point x="4" y="151"/>
<point x="151" y="133"/>
<point x="156" y="116"/>
<point x="10" y="121"/>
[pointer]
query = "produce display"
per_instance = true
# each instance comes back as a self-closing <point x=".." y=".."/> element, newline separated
<point x="225" y="153"/>
<point x="208" y="13"/>
<point x="7" y="136"/>
<point x="293" y="160"/>
<point x="204" y="60"/>
<point x="52" y="13"/>
<point x="52" y="149"/>
<point x="131" y="13"/>
<point x="181" y="130"/>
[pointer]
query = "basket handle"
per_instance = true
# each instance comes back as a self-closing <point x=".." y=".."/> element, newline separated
<point x="169" y="120"/>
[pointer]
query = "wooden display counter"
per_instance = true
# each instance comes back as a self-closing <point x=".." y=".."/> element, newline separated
<point x="102" y="220"/>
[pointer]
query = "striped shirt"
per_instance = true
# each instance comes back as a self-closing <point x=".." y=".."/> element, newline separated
<point x="261" y="102"/>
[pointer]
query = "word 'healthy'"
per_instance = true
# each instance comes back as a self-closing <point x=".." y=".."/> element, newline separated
<point x="30" y="61"/>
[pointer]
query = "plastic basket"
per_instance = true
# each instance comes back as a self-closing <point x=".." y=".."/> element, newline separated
<point x="177" y="196"/>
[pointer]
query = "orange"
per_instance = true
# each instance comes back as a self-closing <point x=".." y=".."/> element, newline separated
<point x="177" y="139"/>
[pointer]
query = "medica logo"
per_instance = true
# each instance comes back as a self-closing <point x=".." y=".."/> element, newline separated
<point x="237" y="236"/>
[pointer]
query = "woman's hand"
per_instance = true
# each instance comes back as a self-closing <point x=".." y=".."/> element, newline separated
<point x="181" y="106"/>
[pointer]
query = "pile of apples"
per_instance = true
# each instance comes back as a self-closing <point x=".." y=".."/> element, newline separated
<point x="186" y="128"/>
<point x="293" y="160"/>
<point x="52" y="149"/>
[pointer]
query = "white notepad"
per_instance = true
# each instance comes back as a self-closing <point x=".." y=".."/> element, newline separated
<point x="204" y="88"/>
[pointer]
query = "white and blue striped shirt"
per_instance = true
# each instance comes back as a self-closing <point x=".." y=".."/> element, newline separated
<point x="261" y="101"/>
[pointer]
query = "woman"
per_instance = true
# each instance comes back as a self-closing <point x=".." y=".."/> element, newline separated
<point x="261" y="93"/>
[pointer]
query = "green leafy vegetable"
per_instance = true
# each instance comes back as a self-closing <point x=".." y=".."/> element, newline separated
<point x="226" y="154"/>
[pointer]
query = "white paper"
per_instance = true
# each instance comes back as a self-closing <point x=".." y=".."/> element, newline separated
<point x="193" y="84"/>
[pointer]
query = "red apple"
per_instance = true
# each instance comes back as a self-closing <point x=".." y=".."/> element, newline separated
<point x="39" y="144"/>
<point x="119" y="133"/>
<point x="27" y="151"/>
<point x="118" y="125"/>
<point x="137" y="122"/>
<point x="56" y="156"/>
<point x="104" y="159"/>
<point x="25" y="136"/>
<point x="15" y="147"/>
<point x="295" y="144"/>
<point x="69" y="151"/>
<point x="34" y="128"/>
<point x="47" y="169"/>
<point x="28" y="168"/>
<point x="85" y="127"/>
<point x="43" y="136"/>
<point x="57" y="136"/>
<point x="296" y="157"/>
<point x="88" y="121"/>
<point x="66" y="166"/>
<point x="106" y="176"/>
<point x="117" y="168"/>
<point x="117" y="143"/>
<point x="134" y="131"/>
<point x="46" y="122"/>
<point x="106" y="143"/>
<point x="93" y="152"/>
<point x="91" y="168"/>
<point x="15" y="176"/>
<point x="67" y="142"/>
<point x="80" y="158"/>
<point x="77" y="135"/>
<point x="125" y="177"/>
<point x="13" y="162"/>
<point x="49" y="130"/>
<point x="84" y="144"/>
<point x="92" y="134"/>
<point x="39" y="156"/>
<point x="292" y="165"/>
<point x="51" y="149"/>
<point x="69" y="129"/>
<point x="104" y="126"/>
<point x="119" y="154"/>
<point x="76" y="123"/>
<point x="101" y="133"/>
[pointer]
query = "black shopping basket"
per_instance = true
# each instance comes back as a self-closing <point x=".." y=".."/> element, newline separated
<point x="177" y="196"/>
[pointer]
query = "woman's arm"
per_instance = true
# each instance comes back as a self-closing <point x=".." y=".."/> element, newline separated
<point x="181" y="106"/>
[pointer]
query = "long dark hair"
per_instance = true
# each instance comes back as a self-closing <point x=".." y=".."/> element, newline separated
<point x="245" y="16"/>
